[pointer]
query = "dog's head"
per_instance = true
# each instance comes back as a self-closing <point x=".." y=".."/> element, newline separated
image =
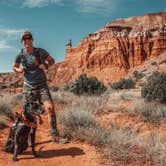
<point x="33" y="108"/>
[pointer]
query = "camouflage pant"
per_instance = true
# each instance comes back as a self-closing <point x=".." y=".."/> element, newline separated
<point x="40" y="93"/>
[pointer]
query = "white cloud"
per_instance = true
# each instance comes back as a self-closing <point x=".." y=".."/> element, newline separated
<point x="6" y="36"/>
<point x="95" y="6"/>
<point x="81" y="6"/>
<point x="4" y="47"/>
<point x="39" y="3"/>
<point x="10" y="34"/>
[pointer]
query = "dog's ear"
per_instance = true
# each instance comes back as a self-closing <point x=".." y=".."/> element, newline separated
<point x="16" y="114"/>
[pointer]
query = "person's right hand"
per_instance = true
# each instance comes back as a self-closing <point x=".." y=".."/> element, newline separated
<point x="21" y="70"/>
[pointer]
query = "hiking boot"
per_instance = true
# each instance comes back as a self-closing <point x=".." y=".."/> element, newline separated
<point x="58" y="140"/>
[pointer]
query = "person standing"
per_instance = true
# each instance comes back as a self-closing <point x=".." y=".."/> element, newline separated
<point x="34" y="61"/>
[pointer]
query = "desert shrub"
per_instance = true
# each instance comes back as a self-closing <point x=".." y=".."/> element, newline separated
<point x="152" y="112"/>
<point x="5" y="109"/>
<point x="123" y="84"/>
<point x="8" y="100"/>
<point x="123" y="146"/>
<point x="76" y="120"/>
<point x="86" y="86"/>
<point x="16" y="99"/>
<point x="155" y="87"/>
<point x="154" y="150"/>
<point x="54" y="88"/>
<point x="63" y="97"/>
<point x="154" y="63"/>
<point x="2" y="123"/>
<point x="138" y="75"/>
<point x="80" y="124"/>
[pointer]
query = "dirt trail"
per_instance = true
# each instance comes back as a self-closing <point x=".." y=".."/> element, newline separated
<point x="51" y="154"/>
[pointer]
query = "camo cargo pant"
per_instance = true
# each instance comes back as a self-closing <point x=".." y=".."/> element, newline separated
<point x="41" y="94"/>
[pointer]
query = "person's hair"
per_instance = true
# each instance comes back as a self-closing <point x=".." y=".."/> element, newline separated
<point x="26" y="33"/>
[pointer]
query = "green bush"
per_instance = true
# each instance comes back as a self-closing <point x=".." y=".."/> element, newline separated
<point x="123" y="84"/>
<point x="86" y="86"/>
<point x="155" y="87"/>
<point x="54" y="88"/>
<point x="138" y="75"/>
<point x="154" y="63"/>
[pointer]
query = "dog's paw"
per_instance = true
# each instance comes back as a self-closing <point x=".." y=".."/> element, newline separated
<point x="15" y="159"/>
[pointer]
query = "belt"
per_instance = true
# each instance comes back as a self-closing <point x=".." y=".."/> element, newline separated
<point x="35" y="86"/>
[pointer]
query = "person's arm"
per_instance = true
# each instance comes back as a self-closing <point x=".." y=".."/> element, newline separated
<point x="16" y="65"/>
<point x="17" y="68"/>
<point x="46" y="58"/>
<point x="48" y="63"/>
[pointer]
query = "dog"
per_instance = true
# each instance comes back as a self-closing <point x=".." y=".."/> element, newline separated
<point x="24" y="129"/>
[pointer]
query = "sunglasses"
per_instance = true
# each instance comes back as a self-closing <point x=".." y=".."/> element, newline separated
<point x="27" y="38"/>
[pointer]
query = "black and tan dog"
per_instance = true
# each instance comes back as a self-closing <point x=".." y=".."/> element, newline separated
<point x="24" y="128"/>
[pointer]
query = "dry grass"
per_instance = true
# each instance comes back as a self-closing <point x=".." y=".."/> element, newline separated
<point x="82" y="125"/>
<point x="7" y="102"/>
<point x="6" y="109"/>
<point x="126" y="147"/>
<point x="110" y="101"/>
<point x="2" y="123"/>
<point x="121" y="146"/>
<point x="154" y="150"/>
<point x="149" y="111"/>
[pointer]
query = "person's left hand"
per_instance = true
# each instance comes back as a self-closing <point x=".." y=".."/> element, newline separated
<point x="43" y="67"/>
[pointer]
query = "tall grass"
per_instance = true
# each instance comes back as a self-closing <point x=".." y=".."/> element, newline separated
<point x="6" y="109"/>
<point x="7" y="102"/>
<point x="149" y="111"/>
<point x="120" y="145"/>
<point x="81" y="124"/>
<point x="2" y="123"/>
<point x="154" y="150"/>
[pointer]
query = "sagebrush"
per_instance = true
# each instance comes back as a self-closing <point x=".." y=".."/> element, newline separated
<point x="155" y="87"/>
<point x="86" y="86"/>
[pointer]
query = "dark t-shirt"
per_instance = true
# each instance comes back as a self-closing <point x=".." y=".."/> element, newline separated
<point x="33" y="75"/>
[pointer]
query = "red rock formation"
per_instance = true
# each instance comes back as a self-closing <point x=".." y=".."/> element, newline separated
<point x="112" y="51"/>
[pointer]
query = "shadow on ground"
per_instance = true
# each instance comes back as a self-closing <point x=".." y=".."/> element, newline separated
<point x="72" y="151"/>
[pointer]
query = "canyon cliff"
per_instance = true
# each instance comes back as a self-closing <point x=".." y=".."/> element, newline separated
<point x="112" y="51"/>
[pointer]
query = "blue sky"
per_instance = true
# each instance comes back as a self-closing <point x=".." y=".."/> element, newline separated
<point x="54" y="22"/>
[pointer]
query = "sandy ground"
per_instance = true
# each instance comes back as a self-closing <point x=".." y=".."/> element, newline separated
<point x="51" y="154"/>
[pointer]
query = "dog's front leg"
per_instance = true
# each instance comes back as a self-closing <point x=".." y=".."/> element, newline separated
<point x="32" y="136"/>
<point x="16" y="142"/>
